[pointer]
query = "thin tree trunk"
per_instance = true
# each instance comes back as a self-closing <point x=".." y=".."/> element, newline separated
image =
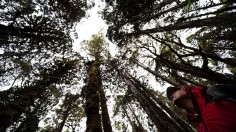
<point x="65" y="116"/>
<point x="198" y="72"/>
<point x="105" y="115"/>
<point x="126" y="113"/>
<point x="210" y="21"/>
<point x="140" y="126"/>
<point x="61" y="125"/>
<point x="160" y="119"/>
<point x="140" y="17"/>
<point x="229" y="61"/>
<point x="30" y="123"/>
<point x="179" y="121"/>
<point x="172" y="82"/>
<point x="145" y="105"/>
<point x="25" y="97"/>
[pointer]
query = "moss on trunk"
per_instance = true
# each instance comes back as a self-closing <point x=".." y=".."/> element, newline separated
<point x="92" y="99"/>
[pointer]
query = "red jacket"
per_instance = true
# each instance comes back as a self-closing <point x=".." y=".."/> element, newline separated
<point x="218" y="116"/>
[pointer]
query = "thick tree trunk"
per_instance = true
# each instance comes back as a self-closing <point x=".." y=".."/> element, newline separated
<point x="92" y="99"/>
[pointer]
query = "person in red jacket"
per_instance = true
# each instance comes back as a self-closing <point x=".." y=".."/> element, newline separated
<point x="209" y="115"/>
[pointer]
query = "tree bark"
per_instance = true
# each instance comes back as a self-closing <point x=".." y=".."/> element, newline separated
<point x="179" y="121"/>
<point x="210" y="21"/>
<point x="105" y="115"/>
<point x="11" y="108"/>
<point x="172" y="82"/>
<point x="160" y="119"/>
<point x="92" y="99"/>
<point x="136" y="118"/>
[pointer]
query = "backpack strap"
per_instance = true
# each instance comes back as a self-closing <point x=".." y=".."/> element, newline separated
<point x="197" y="109"/>
<point x="222" y="91"/>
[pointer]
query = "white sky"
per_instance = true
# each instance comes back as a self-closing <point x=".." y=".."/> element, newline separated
<point x="89" y="26"/>
<point x="92" y="25"/>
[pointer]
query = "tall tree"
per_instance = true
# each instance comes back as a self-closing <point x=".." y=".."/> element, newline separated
<point x="153" y="107"/>
<point x="92" y="99"/>
<point x="31" y="32"/>
<point x="158" y="30"/>
<point x="191" y="16"/>
<point x="36" y="29"/>
<point x="16" y="101"/>
<point x="70" y="105"/>
<point x="94" y="92"/>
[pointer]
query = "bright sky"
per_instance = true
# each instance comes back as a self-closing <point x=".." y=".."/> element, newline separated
<point x="92" y="25"/>
<point x="89" y="26"/>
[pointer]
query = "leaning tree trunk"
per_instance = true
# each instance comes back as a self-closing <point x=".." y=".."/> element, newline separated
<point x="172" y="82"/>
<point x="162" y="121"/>
<point x="210" y="21"/>
<point x="186" y="127"/>
<point x="22" y="99"/>
<point x="129" y="119"/>
<point x="30" y="123"/>
<point x="92" y="99"/>
<point x="141" y="129"/>
<point x="66" y="109"/>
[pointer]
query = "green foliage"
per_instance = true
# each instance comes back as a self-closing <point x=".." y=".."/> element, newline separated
<point x="36" y="60"/>
<point x="36" y="55"/>
<point x="189" y="6"/>
<point x="96" y="47"/>
<point x="47" y="129"/>
<point x="118" y="125"/>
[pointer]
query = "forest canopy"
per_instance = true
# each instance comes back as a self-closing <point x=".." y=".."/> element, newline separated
<point x="46" y="86"/>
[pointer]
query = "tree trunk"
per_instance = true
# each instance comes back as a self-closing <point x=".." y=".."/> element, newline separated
<point x="64" y="118"/>
<point x="198" y="72"/>
<point x="105" y="115"/>
<point x="160" y="118"/>
<point x="141" y="129"/>
<point x="210" y="21"/>
<point x="30" y="123"/>
<point x="23" y="98"/>
<point x="156" y="74"/>
<point x="179" y="121"/>
<point x="127" y="115"/>
<point x="92" y="99"/>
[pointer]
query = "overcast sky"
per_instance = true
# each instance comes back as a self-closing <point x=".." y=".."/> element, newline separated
<point x="92" y="25"/>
